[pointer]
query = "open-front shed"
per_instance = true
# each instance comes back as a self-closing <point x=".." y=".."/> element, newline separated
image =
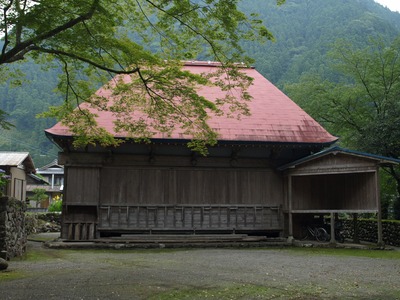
<point x="333" y="181"/>
<point x="164" y="187"/>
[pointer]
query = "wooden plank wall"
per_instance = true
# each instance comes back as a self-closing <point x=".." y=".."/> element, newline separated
<point x="137" y="196"/>
<point x="339" y="191"/>
<point x="339" y="163"/>
<point x="123" y="186"/>
<point x="82" y="186"/>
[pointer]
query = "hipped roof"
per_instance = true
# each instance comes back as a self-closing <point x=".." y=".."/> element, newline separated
<point x="274" y="117"/>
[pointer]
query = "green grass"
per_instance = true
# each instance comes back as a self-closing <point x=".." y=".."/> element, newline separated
<point x="37" y="255"/>
<point x="386" y="254"/>
<point x="238" y="291"/>
<point x="11" y="275"/>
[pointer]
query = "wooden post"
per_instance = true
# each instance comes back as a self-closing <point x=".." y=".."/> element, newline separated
<point x="380" y="234"/>
<point x="70" y="231"/>
<point x="378" y="203"/>
<point x="84" y="231"/>
<point x="91" y="233"/>
<point x="77" y="232"/>
<point x="290" y="221"/>
<point x="333" y="238"/>
<point x="356" y="238"/>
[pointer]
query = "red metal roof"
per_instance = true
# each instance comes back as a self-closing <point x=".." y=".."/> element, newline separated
<point x="274" y="117"/>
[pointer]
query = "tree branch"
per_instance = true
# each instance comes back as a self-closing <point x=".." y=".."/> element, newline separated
<point x="20" y="47"/>
<point x="101" y="49"/>
<point x="6" y="41"/>
<point x="83" y="59"/>
<point x="187" y="26"/>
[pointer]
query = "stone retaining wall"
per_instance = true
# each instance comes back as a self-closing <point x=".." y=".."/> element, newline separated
<point x="368" y="231"/>
<point x="13" y="238"/>
<point x="42" y="222"/>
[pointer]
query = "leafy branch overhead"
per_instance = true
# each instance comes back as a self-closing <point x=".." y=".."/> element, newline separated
<point x="92" y="41"/>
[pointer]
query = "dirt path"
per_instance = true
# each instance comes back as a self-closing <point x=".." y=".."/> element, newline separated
<point x="199" y="274"/>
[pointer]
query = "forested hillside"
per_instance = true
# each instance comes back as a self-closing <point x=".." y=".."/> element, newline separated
<point x="304" y="32"/>
<point x="306" y="29"/>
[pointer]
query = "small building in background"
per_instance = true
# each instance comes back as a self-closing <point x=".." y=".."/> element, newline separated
<point x="50" y="178"/>
<point x="18" y="166"/>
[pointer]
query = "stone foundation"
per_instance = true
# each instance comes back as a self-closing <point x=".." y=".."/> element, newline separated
<point x="13" y="237"/>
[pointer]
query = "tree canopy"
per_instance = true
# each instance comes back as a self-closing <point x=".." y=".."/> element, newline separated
<point x="92" y="41"/>
<point x="303" y="29"/>
<point x="362" y="106"/>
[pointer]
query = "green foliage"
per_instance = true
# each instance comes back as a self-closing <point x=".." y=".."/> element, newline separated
<point x="396" y="208"/>
<point x="39" y="195"/>
<point x="3" y="123"/>
<point x="4" y="179"/>
<point x="362" y="106"/>
<point x="304" y="31"/>
<point x="388" y="194"/>
<point x="55" y="206"/>
<point x="89" y="41"/>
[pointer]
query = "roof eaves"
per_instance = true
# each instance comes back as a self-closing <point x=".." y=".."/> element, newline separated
<point x="38" y="178"/>
<point x="49" y="165"/>
<point x="382" y="160"/>
<point x="16" y="159"/>
<point x="219" y="142"/>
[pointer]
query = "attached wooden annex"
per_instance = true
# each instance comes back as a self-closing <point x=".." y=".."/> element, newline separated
<point x="333" y="181"/>
<point x="240" y="187"/>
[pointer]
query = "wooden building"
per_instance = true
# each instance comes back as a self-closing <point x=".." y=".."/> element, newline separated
<point x="17" y="165"/>
<point x="253" y="181"/>
<point x="49" y="178"/>
<point x="330" y="182"/>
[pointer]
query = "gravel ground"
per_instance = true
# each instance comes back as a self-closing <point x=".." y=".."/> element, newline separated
<point x="198" y="274"/>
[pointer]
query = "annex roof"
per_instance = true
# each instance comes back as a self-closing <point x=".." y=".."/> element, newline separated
<point x="274" y="117"/>
<point x="380" y="160"/>
<point x="17" y="159"/>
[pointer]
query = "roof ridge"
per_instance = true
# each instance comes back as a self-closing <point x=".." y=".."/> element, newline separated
<point x="199" y="63"/>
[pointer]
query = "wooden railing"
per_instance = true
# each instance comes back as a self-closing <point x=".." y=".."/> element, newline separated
<point x="189" y="217"/>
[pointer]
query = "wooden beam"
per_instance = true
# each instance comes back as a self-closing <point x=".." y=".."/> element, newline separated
<point x="312" y="172"/>
<point x="328" y="211"/>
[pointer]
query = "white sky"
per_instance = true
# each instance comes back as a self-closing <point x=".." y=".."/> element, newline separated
<point x="393" y="5"/>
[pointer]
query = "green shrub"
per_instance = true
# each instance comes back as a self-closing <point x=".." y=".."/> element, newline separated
<point x="55" y="206"/>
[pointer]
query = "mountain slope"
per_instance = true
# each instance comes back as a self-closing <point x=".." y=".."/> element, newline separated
<point x="304" y="31"/>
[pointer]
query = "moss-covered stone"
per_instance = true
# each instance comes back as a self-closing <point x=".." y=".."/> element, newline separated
<point x="13" y="238"/>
